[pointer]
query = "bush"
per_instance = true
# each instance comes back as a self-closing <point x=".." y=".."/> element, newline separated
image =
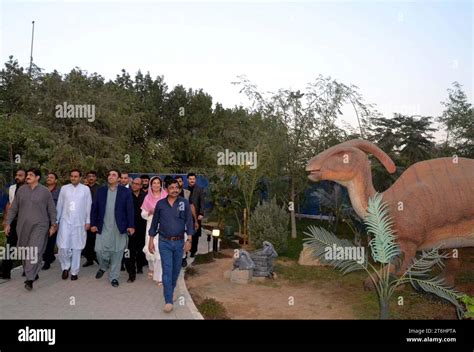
<point x="212" y="310"/>
<point x="269" y="223"/>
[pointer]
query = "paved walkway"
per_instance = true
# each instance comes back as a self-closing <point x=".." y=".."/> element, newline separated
<point x="89" y="298"/>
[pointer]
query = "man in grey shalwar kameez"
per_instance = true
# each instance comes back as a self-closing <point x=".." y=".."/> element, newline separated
<point x="35" y="208"/>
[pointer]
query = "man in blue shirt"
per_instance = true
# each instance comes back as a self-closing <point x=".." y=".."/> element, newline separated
<point x="171" y="220"/>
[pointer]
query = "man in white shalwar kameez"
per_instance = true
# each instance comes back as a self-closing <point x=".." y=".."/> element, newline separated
<point x="73" y="209"/>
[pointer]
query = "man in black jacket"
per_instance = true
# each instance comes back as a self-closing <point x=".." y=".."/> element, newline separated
<point x="89" y="251"/>
<point x="197" y="199"/>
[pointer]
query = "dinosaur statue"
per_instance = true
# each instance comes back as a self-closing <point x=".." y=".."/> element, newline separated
<point x="431" y="204"/>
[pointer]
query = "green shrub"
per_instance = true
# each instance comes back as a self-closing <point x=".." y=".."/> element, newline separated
<point x="212" y="310"/>
<point x="269" y="223"/>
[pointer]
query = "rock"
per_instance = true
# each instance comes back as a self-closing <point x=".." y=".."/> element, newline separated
<point x="241" y="276"/>
<point x="307" y="257"/>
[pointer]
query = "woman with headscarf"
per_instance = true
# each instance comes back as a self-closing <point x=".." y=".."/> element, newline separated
<point x="155" y="193"/>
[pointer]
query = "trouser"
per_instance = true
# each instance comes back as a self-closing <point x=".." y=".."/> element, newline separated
<point x="155" y="263"/>
<point x="70" y="259"/>
<point x="112" y="260"/>
<point x="37" y="239"/>
<point x="171" y="253"/>
<point x="135" y="259"/>
<point x="48" y="255"/>
<point x="12" y="239"/>
<point x="88" y="250"/>
<point x="195" y="241"/>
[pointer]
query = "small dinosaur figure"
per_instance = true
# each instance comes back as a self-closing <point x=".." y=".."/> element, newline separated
<point x="431" y="204"/>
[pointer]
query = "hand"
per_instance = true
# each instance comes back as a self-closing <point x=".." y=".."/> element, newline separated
<point x="94" y="229"/>
<point x="151" y="246"/>
<point x="131" y="230"/>
<point x="196" y="225"/>
<point x="200" y="217"/>
<point x="52" y="230"/>
<point x="7" y="230"/>
<point x="87" y="226"/>
<point x="187" y="246"/>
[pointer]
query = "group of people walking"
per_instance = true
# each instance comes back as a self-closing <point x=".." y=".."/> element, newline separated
<point x="127" y="223"/>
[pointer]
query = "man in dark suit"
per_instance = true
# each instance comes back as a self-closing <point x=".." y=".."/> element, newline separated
<point x="135" y="260"/>
<point x="88" y="251"/>
<point x="112" y="218"/>
<point x="197" y="200"/>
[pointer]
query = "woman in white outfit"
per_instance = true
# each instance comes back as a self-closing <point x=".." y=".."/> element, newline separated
<point x="155" y="193"/>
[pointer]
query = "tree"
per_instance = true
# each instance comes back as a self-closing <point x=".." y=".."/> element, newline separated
<point x="406" y="139"/>
<point x="308" y="120"/>
<point x="458" y="118"/>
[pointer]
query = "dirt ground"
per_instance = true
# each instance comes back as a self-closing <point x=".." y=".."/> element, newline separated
<point x="271" y="299"/>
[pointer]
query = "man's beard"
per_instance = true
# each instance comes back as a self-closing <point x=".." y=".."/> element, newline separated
<point x="145" y="187"/>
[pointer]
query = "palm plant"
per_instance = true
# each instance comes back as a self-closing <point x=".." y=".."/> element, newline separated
<point x="386" y="252"/>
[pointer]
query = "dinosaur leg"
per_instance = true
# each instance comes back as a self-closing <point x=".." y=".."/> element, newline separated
<point x="452" y="265"/>
<point x="409" y="252"/>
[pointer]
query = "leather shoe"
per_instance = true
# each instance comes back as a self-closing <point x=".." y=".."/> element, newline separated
<point x="115" y="283"/>
<point x="86" y="264"/>
<point x="99" y="274"/>
<point x="65" y="274"/>
<point x="131" y="279"/>
<point x="74" y="277"/>
<point x="29" y="285"/>
<point x="46" y="266"/>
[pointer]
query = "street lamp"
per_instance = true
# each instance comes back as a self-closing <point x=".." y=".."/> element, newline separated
<point x="215" y="239"/>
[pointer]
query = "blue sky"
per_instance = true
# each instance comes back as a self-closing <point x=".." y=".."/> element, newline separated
<point x="403" y="55"/>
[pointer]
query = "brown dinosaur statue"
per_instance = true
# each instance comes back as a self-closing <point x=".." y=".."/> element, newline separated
<point x="431" y="204"/>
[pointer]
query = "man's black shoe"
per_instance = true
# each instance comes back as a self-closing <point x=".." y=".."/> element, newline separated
<point x="65" y="274"/>
<point x="115" y="283"/>
<point x="74" y="277"/>
<point x="88" y="263"/>
<point x="29" y="285"/>
<point x="139" y="271"/>
<point x="46" y="266"/>
<point x="131" y="279"/>
<point x="99" y="274"/>
<point x="37" y="277"/>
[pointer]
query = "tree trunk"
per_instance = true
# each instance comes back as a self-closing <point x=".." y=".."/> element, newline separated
<point x="12" y="172"/>
<point x="384" y="310"/>
<point x="292" y="212"/>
